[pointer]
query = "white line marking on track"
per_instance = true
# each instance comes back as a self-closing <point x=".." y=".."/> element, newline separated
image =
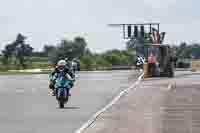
<point x="169" y="87"/>
<point x="20" y="91"/>
<point x="33" y="90"/>
<point x="95" y="116"/>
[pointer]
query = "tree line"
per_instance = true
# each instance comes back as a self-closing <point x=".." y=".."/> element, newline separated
<point x="20" y="54"/>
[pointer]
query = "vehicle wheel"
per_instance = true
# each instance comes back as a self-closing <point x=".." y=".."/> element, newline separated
<point x="171" y="71"/>
<point x="171" y="74"/>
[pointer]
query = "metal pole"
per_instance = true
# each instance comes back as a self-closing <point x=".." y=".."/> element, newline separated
<point x="150" y="28"/>
<point x="124" y="31"/>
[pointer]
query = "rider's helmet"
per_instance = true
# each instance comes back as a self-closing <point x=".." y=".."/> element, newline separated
<point x="61" y="65"/>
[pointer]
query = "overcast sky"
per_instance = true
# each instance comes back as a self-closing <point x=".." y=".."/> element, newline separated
<point x="48" y="21"/>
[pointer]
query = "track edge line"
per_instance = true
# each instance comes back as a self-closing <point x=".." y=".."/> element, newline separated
<point x="98" y="113"/>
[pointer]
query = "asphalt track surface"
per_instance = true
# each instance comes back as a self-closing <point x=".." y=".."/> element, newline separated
<point x="26" y="107"/>
<point x="157" y="105"/>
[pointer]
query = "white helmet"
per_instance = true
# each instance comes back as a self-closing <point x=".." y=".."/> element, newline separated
<point x="61" y="63"/>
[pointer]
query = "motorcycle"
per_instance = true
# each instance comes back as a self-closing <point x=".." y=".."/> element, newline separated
<point x="62" y="87"/>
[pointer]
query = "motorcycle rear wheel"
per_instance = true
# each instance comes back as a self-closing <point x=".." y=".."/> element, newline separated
<point x="61" y="104"/>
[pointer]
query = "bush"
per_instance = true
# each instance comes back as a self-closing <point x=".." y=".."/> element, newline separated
<point x="119" y="58"/>
<point x="87" y="63"/>
<point x="39" y="59"/>
<point x="3" y="68"/>
<point x="101" y="63"/>
<point x="106" y="60"/>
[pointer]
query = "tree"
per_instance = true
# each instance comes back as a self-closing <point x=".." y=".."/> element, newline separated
<point x="195" y="50"/>
<point x="114" y="57"/>
<point x="7" y="53"/>
<point x="69" y="49"/>
<point x="87" y="62"/>
<point x="22" y="50"/>
<point x="19" y="50"/>
<point x="184" y="50"/>
<point x="53" y="57"/>
<point x="79" y="46"/>
<point x="47" y="49"/>
<point x="65" y="49"/>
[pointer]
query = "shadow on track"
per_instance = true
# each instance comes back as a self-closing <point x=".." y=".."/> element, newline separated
<point x="70" y="108"/>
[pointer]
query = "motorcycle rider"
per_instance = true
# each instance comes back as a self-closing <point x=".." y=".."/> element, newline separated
<point x="60" y="67"/>
<point x="69" y="65"/>
<point x="74" y="64"/>
<point x="140" y="62"/>
<point x="152" y="63"/>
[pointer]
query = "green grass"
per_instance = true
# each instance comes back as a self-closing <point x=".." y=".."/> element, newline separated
<point x="36" y="62"/>
<point x="39" y="59"/>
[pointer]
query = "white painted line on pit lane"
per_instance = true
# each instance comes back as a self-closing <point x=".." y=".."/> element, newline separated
<point x="21" y="91"/>
<point x="33" y="90"/>
<point x="171" y="86"/>
<point x="95" y="116"/>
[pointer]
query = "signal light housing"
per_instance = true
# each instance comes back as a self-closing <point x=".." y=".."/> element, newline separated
<point x="129" y="31"/>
